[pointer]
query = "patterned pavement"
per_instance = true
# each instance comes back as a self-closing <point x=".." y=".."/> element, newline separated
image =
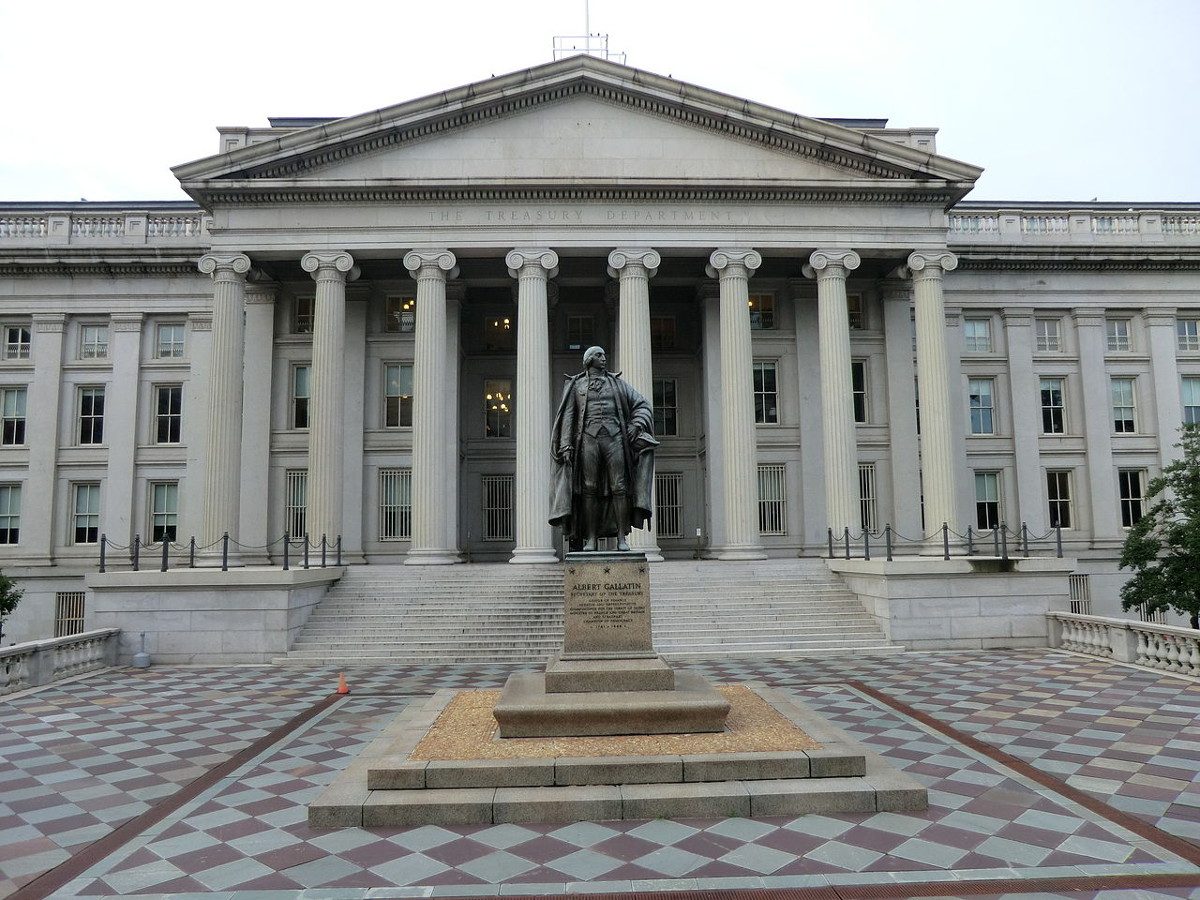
<point x="81" y="758"/>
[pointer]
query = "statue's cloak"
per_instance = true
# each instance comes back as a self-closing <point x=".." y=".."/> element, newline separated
<point x="566" y="486"/>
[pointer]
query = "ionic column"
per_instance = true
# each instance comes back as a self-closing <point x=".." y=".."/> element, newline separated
<point x="840" y="442"/>
<point x="431" y="269"/>
<point x="933" y="386"/>
<point x="634" y="268"/>
<point x="535" y="538"/>
<point x="331" y="270"/>
<point x="733" y="268"/>
<point x="223" y="460"/>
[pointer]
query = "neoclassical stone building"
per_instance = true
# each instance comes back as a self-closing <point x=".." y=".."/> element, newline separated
<point x="359" y="328"/>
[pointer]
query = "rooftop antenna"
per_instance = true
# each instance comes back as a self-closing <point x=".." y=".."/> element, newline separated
<point x="586" y="43"/>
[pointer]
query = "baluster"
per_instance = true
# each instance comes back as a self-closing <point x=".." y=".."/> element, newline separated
<point x="1143" y="650"/>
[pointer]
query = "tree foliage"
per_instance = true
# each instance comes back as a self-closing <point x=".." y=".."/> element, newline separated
<point x="10" y="596"/>
<point x="1163" y="548"/>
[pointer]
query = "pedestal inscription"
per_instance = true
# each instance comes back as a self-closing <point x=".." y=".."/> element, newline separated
<point x="607" y="606"/>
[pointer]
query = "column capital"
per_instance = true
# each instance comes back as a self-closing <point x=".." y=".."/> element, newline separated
<point x="931" y="263"/>
<point x="224" y="265"/>
<point x="630" y="259"/>
<point x="831" y="263"/>
<point x="329" y="264"/>
<point x="538" y="257"/>
<point x="730" y="261"/>
<point x="431" y="263"/>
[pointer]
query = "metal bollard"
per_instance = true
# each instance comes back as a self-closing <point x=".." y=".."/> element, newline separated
<point x="103" y="541"/>
<point x="1025" y="538"/>
<point x="995" y="541"/>
<point x="339" y="550"/>
<point x="1058" y="540"/>
<point x="1003" y="541"/>
<point x="135" y="551"/>
<point x="830" y="530"/>
<point x="323" y="544"/>
<point x="166" y="545"/>
<point x="287" y="538"/>
<point x="306" y="549"/>
<point x="846" y="539"/>
<point x="192" y="552"/>
<point x="970" y="541"/>
<point x="887" y="537"/>
<point x="945" y="541"/>
<point x="225" y="552"/>
<point x="866" y="544"/>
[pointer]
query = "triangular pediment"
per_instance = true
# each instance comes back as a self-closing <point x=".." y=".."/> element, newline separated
<point x="576" y="122"/>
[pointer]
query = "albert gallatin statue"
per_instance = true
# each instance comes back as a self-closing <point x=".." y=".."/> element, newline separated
<point x="603" y="446"/>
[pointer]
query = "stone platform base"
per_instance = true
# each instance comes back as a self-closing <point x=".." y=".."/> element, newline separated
<point x="568" y="676"/>
<point x="384" y="787"/>
<point x="527" y="709"/>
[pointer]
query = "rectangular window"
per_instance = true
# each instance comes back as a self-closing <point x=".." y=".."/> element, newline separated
<point x="1049" y="335"/>
<point x="1123" y="405"/>
<point x="762" y="312"/>
<point x="86" y="520"/>
<point x="668" y="504"/>
<point x="662" y="333"/>
<point x="977" y="335"/>
<point x="12" y="405"/>
<point x="868" y="508"/>
<point x="17" y="341"/>
<point x="1053" y="412"/>
<point x="498" y="507"/>
<point x="1058" y="496"/>
<point x="10" y="513"/>
<point x="979" y="393"/>
<point x="302" y="315"/>
<point x="499" y="332"/>
<point x="300" y="396"/>
<point x="169" y="341"/>
<point x="295" y="502"/>
<point x="772" y="498"/>
<point x="164" y="511"/>
<point x="581" y="332"/>
<point x="666" y="421"/>
<point x="987" y="500"/>
<point x="858" y="387"/>
<point x="399" y="314"/>
<point x="766" y="401"/>
<point x="497" y="409"/>
<point x="93" y="342"/>
<point x="1132" y="484"/>
<point x="1187" y="333"/>
<point x="68" y="613"/>
<point x="856" y="311"/>
<point x="91" y="415"/>
<point x="395" y="504"/>
<point x="397" y="396"/>
<point x="1118" y="332"/>
<point x="168" y="415"/>
<point x="1190" y="393"/>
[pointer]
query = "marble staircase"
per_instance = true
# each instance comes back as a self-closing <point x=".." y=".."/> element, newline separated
<point x="378" y="615"/>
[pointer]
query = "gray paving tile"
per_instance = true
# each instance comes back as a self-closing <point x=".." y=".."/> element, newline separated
<point x="662" y="831"/>
<point x="409" y="869"/>
<point x="671" y="861"/>
<point x="584" y="834"/>
<point x="497" y="867"/>
<point x="939" y="856"/>
<point x="844" y="856"/>
<point x="584" y="865"/>
<point x="764" y="860"/>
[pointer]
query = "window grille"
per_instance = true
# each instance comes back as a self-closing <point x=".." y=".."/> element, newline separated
<point x="867" y="505"/>
<point x="1081" y="594"/>
<point x="17" y="341"/>
<point x="168" y="417"/>
<point x="68" y="613"/>
<point x="91" y="415"/>
<point x="86" y="520"/>
<point x="1158" y="617"/>
<point x="169" y="341"/>
<point x="395" y="504"/>
<point x="772" y="499"/>
<point x="12" y="401"/>
<point x="164" y="511"/>
<point x="295" y="494"/>
<point x="666" y="422"/>
<point x="668" y="504"/>
<point x="1049" y="335"/>
<point x="10" y="513"/>
<point x="498" y="507"/>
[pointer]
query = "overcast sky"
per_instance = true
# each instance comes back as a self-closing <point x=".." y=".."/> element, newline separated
<point x="1056" y="99"/>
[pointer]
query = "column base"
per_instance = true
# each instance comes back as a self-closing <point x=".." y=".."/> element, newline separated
<point x="432" y="558"/>
<point x="534" y="556"/>
<point x="739" y="552"/>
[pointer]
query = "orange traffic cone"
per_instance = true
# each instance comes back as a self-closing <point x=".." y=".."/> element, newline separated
<point x="342" y="687"/>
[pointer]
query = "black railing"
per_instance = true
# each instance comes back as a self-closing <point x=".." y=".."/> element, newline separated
<point x="169" y="554"/>
<point x="975" y="542"/>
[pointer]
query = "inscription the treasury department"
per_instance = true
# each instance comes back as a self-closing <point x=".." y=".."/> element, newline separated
<point x="579" y="215"/>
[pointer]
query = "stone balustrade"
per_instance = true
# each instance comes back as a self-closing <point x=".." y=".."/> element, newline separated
<point x="23" y="227"/>
<point x="970" y="223"/>
<point x="1167" y="648"/>
<point x="35" y="663"/>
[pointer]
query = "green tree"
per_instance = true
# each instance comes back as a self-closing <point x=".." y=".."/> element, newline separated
<point x="10" y="596"/>
<point x="1163" y="548"/>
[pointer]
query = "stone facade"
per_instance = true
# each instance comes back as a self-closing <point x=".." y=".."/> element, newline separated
<point x="359" y="328"/>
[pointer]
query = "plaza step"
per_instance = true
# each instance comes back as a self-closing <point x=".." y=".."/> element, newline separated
<point x="499" y="613"/>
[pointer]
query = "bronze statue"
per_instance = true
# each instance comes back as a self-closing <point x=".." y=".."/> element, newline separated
<point x="603" y="446"/>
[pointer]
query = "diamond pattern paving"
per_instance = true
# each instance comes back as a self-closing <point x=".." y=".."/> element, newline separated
<point x="80" y="759"/>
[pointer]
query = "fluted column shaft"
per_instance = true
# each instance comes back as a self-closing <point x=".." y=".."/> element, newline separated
<point x="430" y="268"/>
<point x="933" y="387"/>
<point x="325" y="469"/>
<point x="733" y="268"/>
<point x="222" y="482"/>
<point x="535" y="538"/>
<point x="634" y="268"/>
<point x="840" y="442"/>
